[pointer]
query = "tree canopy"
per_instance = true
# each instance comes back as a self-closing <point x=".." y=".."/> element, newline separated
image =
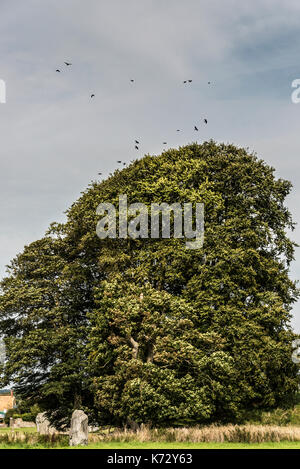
<point x="145" y="330"/>
<point x="2" y="352"/>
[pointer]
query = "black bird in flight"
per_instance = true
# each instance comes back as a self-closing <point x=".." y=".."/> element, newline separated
<point x="100" y="174"/>
<point x="67" y="64"/>
<point x="92" y="95"/>
<point x="205" y="121"/>
<point x="164" y="143"/>
<point x="132" y="81"/>
<point x="119" y="161"/>
<point x="184" y="81"/>
<point x="196" y="128"/>
<point x="137" y="142"/>
<point x="208" y="83"/>
<point x="57" y="71"/>
<point x="136" y="147"/>
<point x="190" y="81"/>
<point x="178" y="130"/>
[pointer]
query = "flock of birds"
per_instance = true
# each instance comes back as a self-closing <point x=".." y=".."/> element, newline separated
<point x="136" y="142"/>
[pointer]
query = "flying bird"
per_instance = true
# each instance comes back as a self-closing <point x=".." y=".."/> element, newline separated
<point x="196" y="128"/>
<point x="100" y="174"/>
<point x="178" y="130"/>
<point x="119" y="161"/>
<point x="132" y="81"/>
<point x="57" y="71"/>
<point x="190" y="81"/>
<point x="208" y="83"/>
<point x="137" y="142"/>
<point x="205" y="121"/>
<point x="92" y="95"/>
<point x="67" y="64"/>
<point x="164" y="143"/>
<point x="185" y="81"/>
<point x="136" y="147"/>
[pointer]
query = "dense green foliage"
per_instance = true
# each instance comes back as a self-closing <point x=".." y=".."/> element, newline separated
<point x="24" y="411"/>
<point x="146" y="330"/>
<point x="2" y="351"/>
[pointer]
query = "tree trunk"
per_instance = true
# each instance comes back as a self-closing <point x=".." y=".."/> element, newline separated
<point x="150" y="353"/>
<point x="135" y="346"/>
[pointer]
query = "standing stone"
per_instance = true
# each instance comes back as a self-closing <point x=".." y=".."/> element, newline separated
<point x="43" y="425"/>
<point x="18" y="423"/>
<point x="79" y="431"/>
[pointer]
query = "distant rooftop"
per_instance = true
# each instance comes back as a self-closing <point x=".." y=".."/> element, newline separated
<point x="5" y="392"/>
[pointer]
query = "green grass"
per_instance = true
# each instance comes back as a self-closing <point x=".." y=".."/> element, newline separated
<point x="164" y="445"/>
<point x="24" y="430"/>
<point x="234" y="437"/>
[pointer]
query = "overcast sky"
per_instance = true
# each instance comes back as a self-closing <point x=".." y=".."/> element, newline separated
<point x="54" y="139"/>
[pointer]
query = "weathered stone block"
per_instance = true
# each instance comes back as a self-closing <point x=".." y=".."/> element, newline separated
<point x="79" y="431"/>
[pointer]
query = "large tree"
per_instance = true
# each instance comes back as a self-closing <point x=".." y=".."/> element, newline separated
<point x="153" y="331"/>
<point x="43" y="319"/>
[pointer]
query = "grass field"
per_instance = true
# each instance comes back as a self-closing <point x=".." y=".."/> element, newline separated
<point x="27" y="438"/>
<point x="163" y="445"/>
<point x="23" y="430"/>
<point x="177" y="445"/>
